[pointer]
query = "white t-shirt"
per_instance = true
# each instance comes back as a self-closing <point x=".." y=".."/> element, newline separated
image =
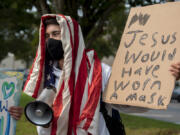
<point x="106" y="71"/>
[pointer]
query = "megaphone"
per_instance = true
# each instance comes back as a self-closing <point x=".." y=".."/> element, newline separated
<point x="39" y="112"/>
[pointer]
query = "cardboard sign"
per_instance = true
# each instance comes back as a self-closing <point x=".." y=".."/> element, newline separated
<point x="10" y="91"/>
<point x="150" y="44"/>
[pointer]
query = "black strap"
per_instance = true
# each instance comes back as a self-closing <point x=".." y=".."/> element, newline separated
<point x="114" y="123"/>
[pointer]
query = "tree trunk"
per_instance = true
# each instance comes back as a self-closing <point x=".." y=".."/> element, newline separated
<point x="42" y="7"/>
<point x="58" y="6"/>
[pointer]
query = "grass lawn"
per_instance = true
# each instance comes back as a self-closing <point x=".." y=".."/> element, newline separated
<point x="134" y="125"/>
<point x="24" y="127"/>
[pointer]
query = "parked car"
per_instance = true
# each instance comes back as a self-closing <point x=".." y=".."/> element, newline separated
<point x="176" y="93"/>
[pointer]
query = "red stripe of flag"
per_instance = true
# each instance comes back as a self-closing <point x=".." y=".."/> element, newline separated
<point x="42" y="57"/>
<point x="72" y="77"/>
<point x="41" y="60"/>
<point x="57" y="107"/>
<point x="28" y="78"/>
<point x="93" y="94"/>
<point x="78" y="94"/>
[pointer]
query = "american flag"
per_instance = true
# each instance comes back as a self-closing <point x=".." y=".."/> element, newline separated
<point x="76" y="105"/>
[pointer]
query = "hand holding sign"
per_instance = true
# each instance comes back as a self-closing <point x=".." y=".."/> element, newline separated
<point x="175" y="70"/>
<point x="16" y="112"/>
<point x="11" y="85"/>
<point x="150" y="44"/>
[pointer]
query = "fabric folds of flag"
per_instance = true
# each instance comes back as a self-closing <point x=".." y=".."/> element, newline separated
<point x="77" y="102"/>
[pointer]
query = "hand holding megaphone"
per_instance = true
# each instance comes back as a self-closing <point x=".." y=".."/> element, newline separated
<point x="39" y="112"/>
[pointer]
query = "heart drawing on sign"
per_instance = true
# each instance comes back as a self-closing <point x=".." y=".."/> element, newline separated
<point x="8" y="89"/>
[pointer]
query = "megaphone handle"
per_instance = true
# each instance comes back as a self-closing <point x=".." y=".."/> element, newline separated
<point x="46" y="126"/>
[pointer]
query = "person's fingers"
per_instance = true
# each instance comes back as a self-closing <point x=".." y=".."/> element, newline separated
<point x="175" y="66"/>
<point x="16" y="112"/>
<point x="16" y="116"/>
<point x="16" y="109"/>
<point x="178" y="63"/>
<point x="174" y="70"/>
<point x="175" y="73"/>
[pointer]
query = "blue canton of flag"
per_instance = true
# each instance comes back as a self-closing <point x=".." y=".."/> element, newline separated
<point x="49" y="76"/>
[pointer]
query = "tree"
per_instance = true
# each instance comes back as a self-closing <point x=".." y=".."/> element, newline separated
<point x="92" y="15"/>
<point x="108" y="45"/>
<point x="16" y="29"/>
<point x="22" y="24"/>
<point x="102" y="23"/>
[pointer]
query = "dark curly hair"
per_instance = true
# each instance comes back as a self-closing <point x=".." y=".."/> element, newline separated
<point x="50" y="21"/>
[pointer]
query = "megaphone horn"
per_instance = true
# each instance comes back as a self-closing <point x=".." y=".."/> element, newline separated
<point x="39" y="112"/>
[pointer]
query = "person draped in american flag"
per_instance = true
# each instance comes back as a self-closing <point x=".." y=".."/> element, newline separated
<point x="79" y="78"/>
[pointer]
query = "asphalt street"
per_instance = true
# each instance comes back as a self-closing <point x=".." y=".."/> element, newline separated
<point x="172" y="114"/>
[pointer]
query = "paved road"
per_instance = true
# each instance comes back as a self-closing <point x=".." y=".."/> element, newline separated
<point x="172" y="114"/>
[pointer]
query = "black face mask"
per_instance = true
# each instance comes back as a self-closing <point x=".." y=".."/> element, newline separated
<point x="54" y="50"/>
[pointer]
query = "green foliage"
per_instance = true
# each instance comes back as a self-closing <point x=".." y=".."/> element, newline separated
<point x="16" y="28"/>
<point x="102" y="23"/>
<point x="108" y="43"/>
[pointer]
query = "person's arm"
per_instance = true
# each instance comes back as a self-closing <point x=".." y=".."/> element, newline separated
<point x="16" y="112"/>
